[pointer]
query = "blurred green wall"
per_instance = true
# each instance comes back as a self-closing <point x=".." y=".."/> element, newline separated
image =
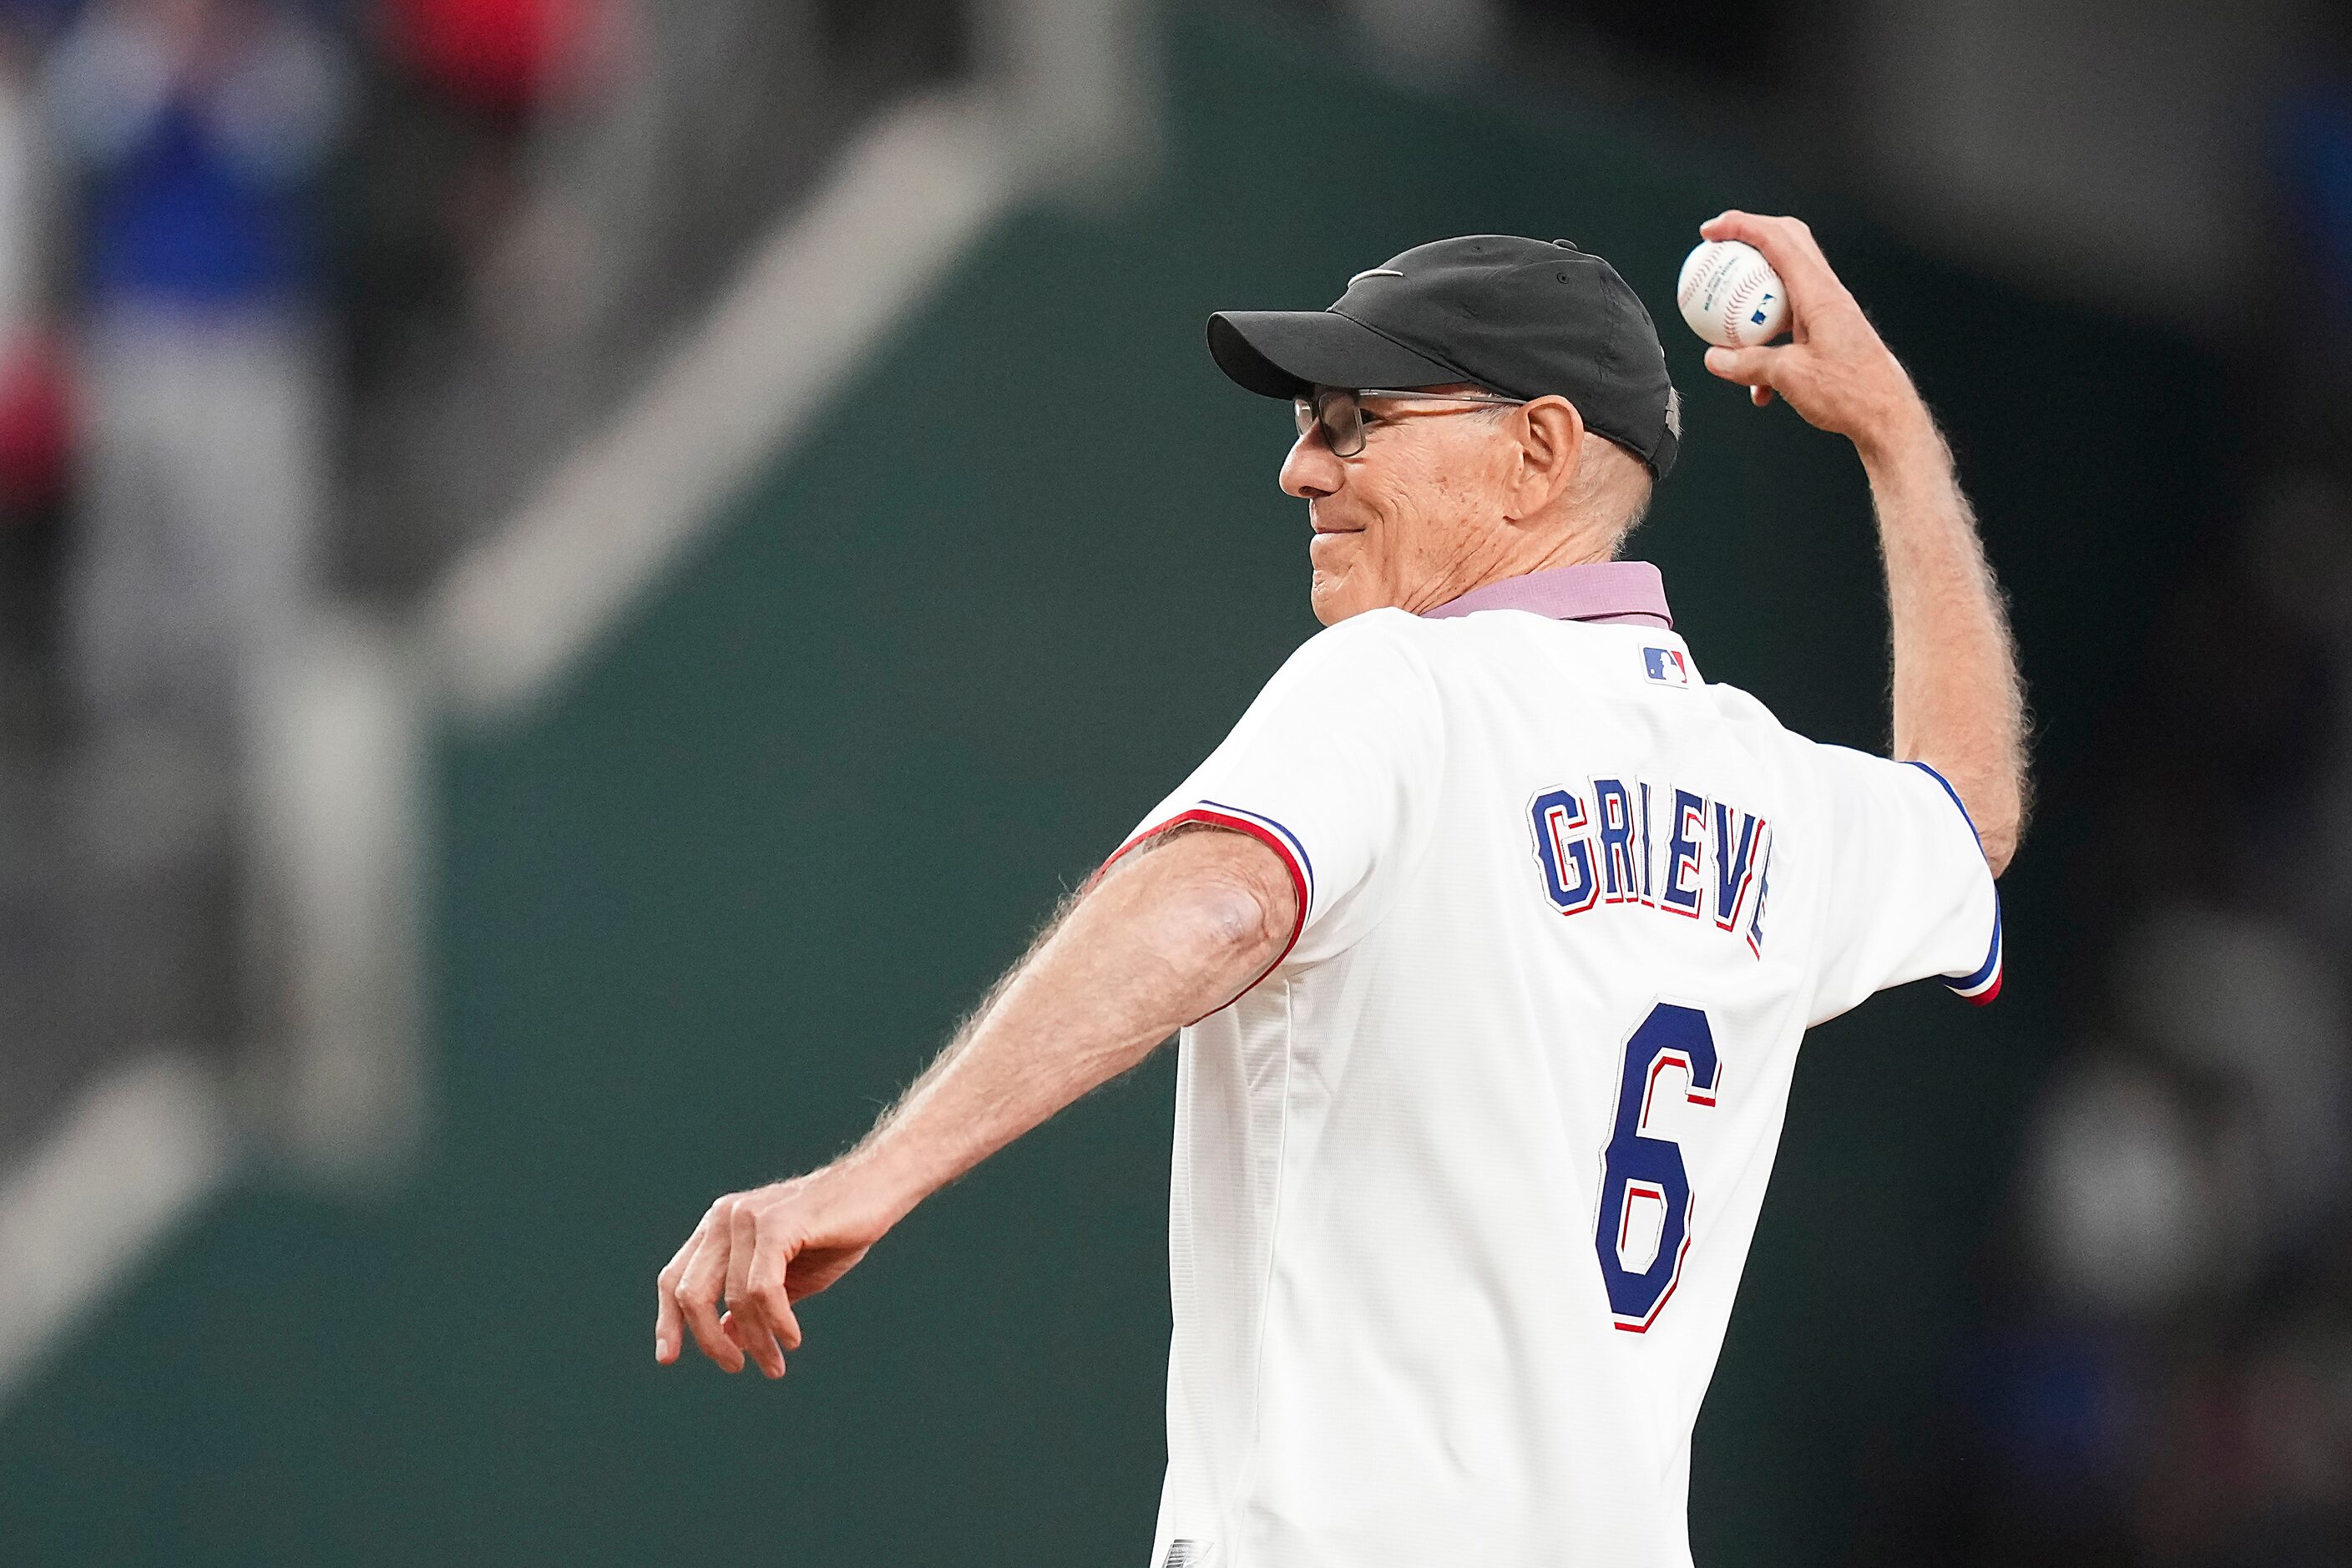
<point x="702" y="915"/>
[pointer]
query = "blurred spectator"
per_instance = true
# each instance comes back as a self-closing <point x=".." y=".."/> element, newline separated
<point x="196" y="125"/>
<point x="507" y="58"/>
<point x="193" y="128"/>
<point x="35" y="443"/>
<point x="457" y="90"/>
<point x="34" y="425"/>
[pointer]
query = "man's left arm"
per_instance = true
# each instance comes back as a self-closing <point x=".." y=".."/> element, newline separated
<point x="1167" y="935"/>
<point x="1960" y="703"/>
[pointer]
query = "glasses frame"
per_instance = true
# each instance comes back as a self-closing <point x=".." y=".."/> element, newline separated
<point x="1308" y="413"/>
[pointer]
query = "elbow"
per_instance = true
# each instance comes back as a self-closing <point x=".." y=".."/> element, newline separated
<point x="2000" y="846"/>
<point x="1222" y="909"/>
<point x="1994" y="800"/>
<point x="2001" y="826"/>
<point x="1226" y="926"/>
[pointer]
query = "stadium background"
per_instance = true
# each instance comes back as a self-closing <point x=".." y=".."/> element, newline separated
<point x="587" y="857"/>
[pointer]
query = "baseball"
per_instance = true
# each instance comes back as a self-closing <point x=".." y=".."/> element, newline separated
<point x="1731" y="295"/>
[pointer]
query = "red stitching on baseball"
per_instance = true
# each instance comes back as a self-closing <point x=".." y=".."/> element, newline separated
<point x="1731" y="321"/>
<point x="1691" y="285"/>
<point x="1704" y="276"/>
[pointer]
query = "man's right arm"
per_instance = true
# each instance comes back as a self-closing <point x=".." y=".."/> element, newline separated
<point x="1172" y="931"/>
<point x="1959" y="701"/>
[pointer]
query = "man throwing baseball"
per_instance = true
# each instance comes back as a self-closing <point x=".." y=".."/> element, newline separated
<point x="1492" y="931"/>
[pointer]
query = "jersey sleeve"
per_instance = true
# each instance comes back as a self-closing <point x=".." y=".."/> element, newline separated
<point x="1335" y="768"/>
<point x="1909" y="894"/>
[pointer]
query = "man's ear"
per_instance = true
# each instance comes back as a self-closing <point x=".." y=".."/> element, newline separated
<point x="1551" y="447"/>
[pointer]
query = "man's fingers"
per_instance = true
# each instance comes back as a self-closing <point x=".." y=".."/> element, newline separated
<point x="1748" y="367"/>
<point x="1751" y="368"/>
<point x="744" y="1241"/>
<point x="769" y="1285"/>
<point x="1787" y="243"/>
<point x="1791" y="249"/>
<point x="757" y="1343"/>
<point x="697" y="1293"/>
<point x="731" y="1286"/>
<point x="669" y="1323"/>
<point x="745" y="1322"/>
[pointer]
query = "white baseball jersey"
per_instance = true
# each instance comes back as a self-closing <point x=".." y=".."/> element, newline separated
<point x="1463" y="1184"/>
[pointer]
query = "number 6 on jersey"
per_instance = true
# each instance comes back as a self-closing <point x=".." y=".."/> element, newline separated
<point x="1638" y="1169"/>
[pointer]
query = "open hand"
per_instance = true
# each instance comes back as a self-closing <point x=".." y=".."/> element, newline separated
<point x="1834" y="370"/>
<point x="761" y="1251"/>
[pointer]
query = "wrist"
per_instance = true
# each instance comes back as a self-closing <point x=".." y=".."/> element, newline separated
<point x="879" y="1184"/>
<point x="1903" y="435"/>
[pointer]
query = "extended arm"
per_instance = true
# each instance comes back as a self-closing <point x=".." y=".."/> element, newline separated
<point x="1959" y="702"/>
<point x="1171" y="933"/>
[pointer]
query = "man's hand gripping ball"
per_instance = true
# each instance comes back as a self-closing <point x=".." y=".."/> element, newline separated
<point x="1834" y="370"/>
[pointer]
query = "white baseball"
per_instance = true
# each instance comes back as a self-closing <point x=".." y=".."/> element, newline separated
<point x="1731" y="295"/>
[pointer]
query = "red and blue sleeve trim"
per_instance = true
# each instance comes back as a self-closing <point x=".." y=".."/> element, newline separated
<point x="1983" y="984"/>
<point x="1298" y="850"/>
<point x="1267" y="831"/>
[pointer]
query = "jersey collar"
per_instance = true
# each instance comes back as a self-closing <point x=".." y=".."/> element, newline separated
<point x="1613" y="592"/>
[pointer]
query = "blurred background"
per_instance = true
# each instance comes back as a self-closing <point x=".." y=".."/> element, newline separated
<point x="576" y="576"/>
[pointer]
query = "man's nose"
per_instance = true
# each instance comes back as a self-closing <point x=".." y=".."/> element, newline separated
<point x="1310" y="471"/>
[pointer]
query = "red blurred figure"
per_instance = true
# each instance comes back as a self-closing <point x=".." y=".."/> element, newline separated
<point x="504" y="57"/>
<point x="36" y="427"/>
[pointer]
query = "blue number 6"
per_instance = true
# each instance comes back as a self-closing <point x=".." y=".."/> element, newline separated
<point x="1637" y="1166"/>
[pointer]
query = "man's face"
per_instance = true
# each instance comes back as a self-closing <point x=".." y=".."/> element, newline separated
<point x="1397" y="523"/>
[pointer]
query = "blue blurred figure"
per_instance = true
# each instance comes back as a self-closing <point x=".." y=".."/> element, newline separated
<point x="195" y="128"/>
<point x="191" y="132"/>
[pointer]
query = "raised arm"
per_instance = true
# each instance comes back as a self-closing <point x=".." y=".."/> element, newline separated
<point x="1959" y="702"/>
<point x="1172" y="931"/>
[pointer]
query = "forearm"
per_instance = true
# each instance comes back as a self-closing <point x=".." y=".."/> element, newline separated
<point x="1155" y="945"/>
<point x="1959" y="700"/>
<point x="1959" y="706"/>
<point x="1174" y="931"/>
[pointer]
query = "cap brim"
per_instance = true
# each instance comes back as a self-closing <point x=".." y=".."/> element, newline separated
<point x="1282" y="353"/>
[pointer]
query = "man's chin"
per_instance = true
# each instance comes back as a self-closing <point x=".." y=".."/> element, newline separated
<point x="1333" y="598"/>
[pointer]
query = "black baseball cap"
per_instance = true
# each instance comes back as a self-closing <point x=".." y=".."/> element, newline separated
<point x="1527" y="318"/>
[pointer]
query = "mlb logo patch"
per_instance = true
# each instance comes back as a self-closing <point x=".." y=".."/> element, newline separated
<point x="1665" y="666"/>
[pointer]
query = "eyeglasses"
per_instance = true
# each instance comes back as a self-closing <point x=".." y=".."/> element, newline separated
<point x="1338" y="411"/>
